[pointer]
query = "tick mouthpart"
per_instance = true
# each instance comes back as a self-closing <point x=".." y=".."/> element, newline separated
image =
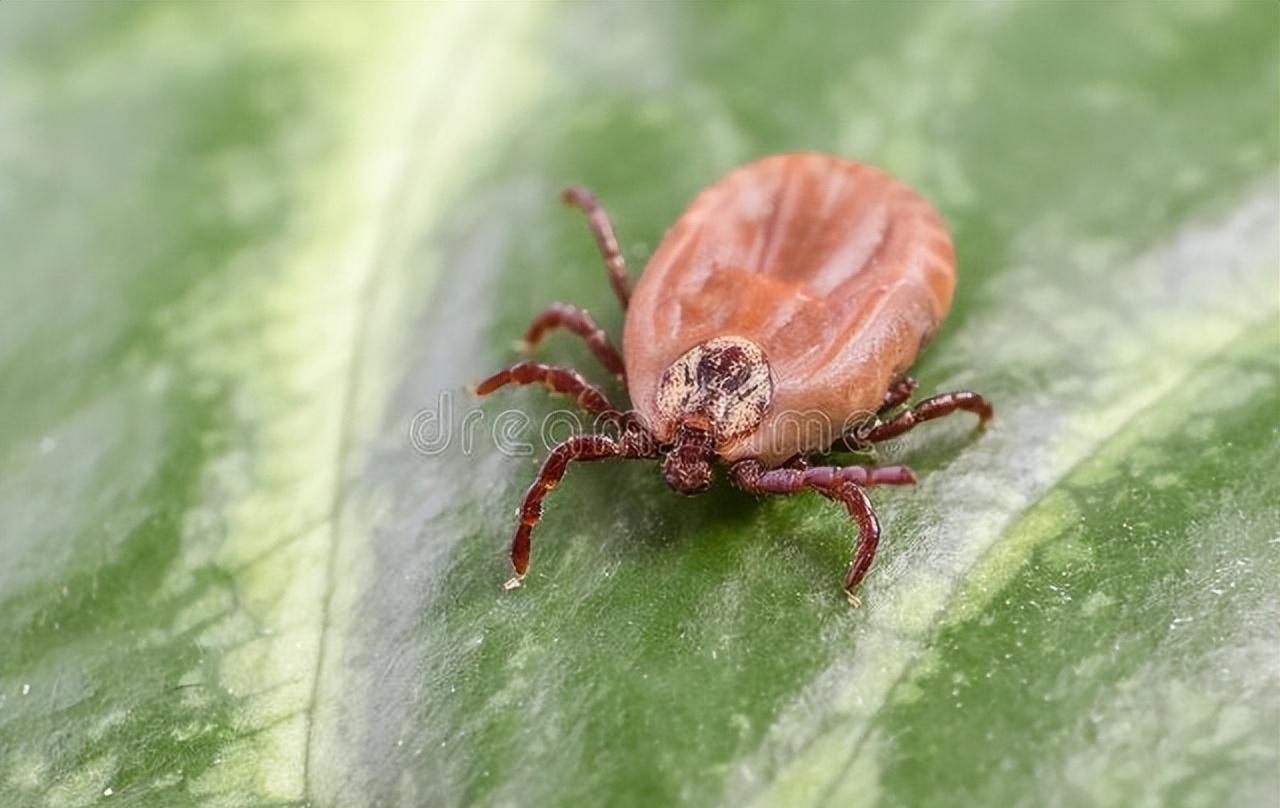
<point x="687" y="475"/>
<point x="687" y="467"/>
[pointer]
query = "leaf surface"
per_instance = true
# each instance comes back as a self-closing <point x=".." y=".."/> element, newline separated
<point x="248" y="247"/>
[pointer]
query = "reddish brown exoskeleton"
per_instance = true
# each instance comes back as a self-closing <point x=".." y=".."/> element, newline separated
<point x="776" y="320"/>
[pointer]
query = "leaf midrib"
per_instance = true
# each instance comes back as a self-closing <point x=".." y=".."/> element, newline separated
<point x="396" y="216"/>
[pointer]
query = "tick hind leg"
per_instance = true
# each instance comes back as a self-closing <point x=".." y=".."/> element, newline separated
<point x="853" y="439"/>
<point x="578" y="448"/>
<point x="844" y="484"/>
<point x="898" y="393"/>
<point x="557" y="380"/>
<point x="606" y="240"/>
<point x="576" y="320"/>
<point x="863" y="438"/>
<point x="927" y="410"/>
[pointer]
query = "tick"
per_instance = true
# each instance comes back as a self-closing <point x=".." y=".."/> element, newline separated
<point x="774" y="324"/>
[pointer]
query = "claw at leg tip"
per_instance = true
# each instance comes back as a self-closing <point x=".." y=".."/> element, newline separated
<point x="513" y="582"/>
<point x="854" y="600"/>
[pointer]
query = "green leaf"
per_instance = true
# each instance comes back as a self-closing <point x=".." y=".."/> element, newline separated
<point x="246" y="247"/>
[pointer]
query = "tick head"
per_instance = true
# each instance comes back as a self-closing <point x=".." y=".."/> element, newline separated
<point x="715" y="393"/>
<point x="722" y="387"/>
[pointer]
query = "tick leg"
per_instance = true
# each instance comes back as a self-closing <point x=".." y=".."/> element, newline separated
<point x="928" y="410"/>
<point x="843" y="484"/>
<point x="579" y="448"/>
<point x="556" y="379"/>
<point x="854" y="439"/>
<point x="750" y="476"/>
<point x="572" y="318"/>
<point x="898" y="392"/>
<point x="859" y="507"/>
<point x="602" y="229"/>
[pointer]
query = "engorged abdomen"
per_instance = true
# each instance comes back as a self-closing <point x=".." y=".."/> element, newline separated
<point x="837" y="270"/>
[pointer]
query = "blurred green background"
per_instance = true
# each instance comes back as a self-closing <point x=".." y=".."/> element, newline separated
<point x="241" y="245"/>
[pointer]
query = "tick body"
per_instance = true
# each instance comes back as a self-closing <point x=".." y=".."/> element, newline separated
<point x="776" y="320"/>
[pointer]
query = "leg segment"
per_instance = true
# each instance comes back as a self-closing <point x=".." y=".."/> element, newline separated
<point x="859" y="507"/>
<point x="556" y="379"/>
<point x="854" y="438"/>
<point x="842" y="484"/>
<point x="898" y="392"/>
<point x="602" y="229"/>
<point x="928" y="410"/>
<point x="572" y="318"/>
<point x="749" y="475"/>
<point x="580" y="448"/>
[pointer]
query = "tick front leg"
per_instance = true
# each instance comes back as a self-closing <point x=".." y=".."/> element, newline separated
<point x="580" y="448"/>
<point x="927" y="410"/>
<point x="557" y="380"/>
<point x="574" y="319"/>
<point x="602" y="229"/>
<point x="843" y="484"/>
